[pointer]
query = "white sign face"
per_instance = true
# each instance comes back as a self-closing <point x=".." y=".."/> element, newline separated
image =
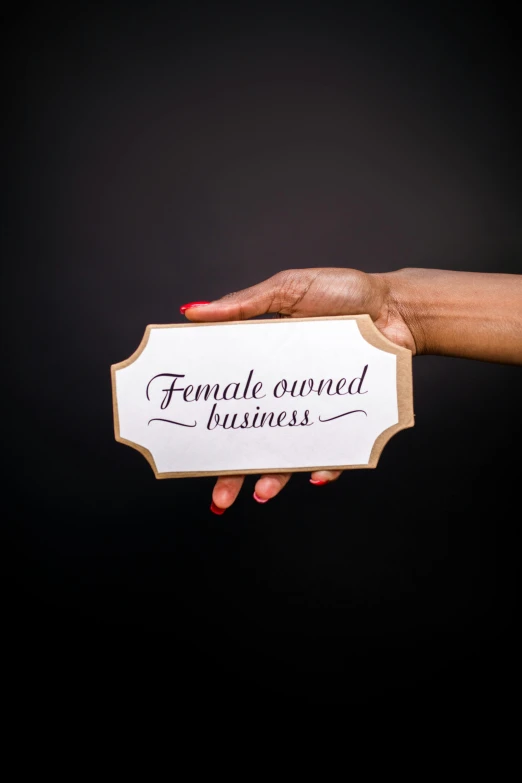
<point x="262" y="396"/>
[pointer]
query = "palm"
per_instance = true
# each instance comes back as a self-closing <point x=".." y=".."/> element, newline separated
<point x="304" y="293"/>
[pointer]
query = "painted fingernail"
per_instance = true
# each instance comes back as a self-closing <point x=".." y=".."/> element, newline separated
<point x="318" y="482"/>
<point x="260" y="500"/>
<point x="185" y="307"/>
<point x="216" y="509"/>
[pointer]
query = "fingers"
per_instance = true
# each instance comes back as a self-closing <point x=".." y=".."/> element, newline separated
<point x="322" y="477"/>
<point x="267" y="487"/>
<point x="278" y="294"/>
<point x="225" y="492"/>
<point x="227" y="489"/>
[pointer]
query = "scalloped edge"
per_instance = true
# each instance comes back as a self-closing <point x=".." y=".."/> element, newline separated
<point x="368" y="331"/>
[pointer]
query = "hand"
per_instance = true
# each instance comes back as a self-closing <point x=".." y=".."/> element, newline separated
<point x="303" y="293"/>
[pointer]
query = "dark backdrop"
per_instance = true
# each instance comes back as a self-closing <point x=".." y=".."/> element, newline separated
<point x="158" y="156"/>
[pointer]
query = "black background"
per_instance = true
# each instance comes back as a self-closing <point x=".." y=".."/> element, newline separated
<point x="158" y="155"/>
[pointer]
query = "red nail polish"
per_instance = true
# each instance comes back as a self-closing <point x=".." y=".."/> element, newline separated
<point x="216" y="509"/>
<point x="260" y="500"/>
<point x="318" y="482"/>
<point x="191" y="304"/>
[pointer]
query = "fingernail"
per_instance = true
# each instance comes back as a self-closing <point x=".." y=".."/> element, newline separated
<point x="191" y="304"/>
<point x="318" y="482"/>
<point x="260" y="500"/>
<point x="216" y="509"/>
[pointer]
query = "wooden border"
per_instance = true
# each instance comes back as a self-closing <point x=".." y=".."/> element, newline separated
<point x="369" y="332"/>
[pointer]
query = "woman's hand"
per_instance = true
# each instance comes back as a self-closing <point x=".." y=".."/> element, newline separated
<point x="473" y="315"/>
<point x="302" y="293"/>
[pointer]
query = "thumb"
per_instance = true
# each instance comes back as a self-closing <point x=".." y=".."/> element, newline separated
<point x="271" y="296"/>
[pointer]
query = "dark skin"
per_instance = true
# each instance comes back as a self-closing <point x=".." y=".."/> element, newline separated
<point x="469" y="315"/>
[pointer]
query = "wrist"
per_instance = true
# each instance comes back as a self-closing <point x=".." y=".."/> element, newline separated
<point x="401" y="307"/>
<point x="473" y="315"/>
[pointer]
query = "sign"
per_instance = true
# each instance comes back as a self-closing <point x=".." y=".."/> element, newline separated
<point x="262" y="396"/>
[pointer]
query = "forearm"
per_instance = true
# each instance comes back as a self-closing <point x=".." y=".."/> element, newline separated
<point x="472" y="315"/>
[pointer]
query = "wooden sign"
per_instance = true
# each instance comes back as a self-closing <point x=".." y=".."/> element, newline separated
<point x="262" y="396"/>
